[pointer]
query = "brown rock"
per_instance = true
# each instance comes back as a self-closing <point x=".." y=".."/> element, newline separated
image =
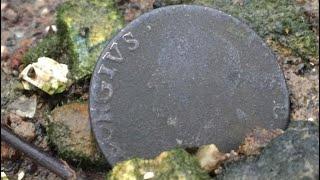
<point x="8" y="152"/>
<point x="256" y="140"/>
<point x="131" y="14"/>
<point x="11" y="15"/>
<point x="69" y="130"/>
<point x="304" y="97"/>
<point x="136" y="8"/>
<point x="25" y="43"/>
<point x="22" y="128"/>
<point x="17" y="56"/>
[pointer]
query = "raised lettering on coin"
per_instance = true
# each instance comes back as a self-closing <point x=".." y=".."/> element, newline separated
<point x="108" y="71"/>
<point x="128" y="37"/>
<point x="118" y="57"/>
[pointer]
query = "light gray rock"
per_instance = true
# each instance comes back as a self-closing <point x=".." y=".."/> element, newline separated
<point x="24" y="106"/>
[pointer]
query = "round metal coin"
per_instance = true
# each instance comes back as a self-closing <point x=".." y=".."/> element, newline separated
<point x="184" y="76"/>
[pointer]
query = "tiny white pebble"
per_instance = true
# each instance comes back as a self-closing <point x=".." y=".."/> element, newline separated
<point x="148" y="175"/>
<point x="310" y="119"/>
<point x="3" y="175"/>
<point x="179" y="141"/>
<point x="44" y="12"/>
<point x="20" y="175"/>
<point x="19" y="34"/>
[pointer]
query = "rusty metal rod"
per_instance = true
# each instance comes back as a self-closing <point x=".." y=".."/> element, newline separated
<point x="58" y="167"/>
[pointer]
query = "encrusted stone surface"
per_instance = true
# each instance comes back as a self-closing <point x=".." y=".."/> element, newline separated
<point x="292" y="155"/>
<point x="257" y="140"/>
<point x="173" y="164"/>
<point x="86" y="26"/>
<point x="24" y="106"/>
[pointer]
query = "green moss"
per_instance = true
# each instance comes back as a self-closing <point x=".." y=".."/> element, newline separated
<point x="281" y="22"/>
<point x="174" y="164"/>
<point x="85" y="27"/>
<point x="48" y="47"/>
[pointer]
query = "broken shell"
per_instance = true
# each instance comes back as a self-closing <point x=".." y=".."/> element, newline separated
<point x="46" y="74"/>
<point x="210" y="157"/>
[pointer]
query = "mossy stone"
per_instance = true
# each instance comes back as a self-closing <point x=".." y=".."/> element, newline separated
<point x="69" y="131"/>
<point x="47" y="47"/>
<point x="86" y="26"/>
<point x="174" y="164"/>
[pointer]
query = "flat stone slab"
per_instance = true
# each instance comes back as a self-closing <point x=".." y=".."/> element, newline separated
<point x="184" y="76"/>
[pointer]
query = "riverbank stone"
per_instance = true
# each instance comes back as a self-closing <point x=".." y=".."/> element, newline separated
<point x="292" y="155"/>
<point x="70" y="133"/>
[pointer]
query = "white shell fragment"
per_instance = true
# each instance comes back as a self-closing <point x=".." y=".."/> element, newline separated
<point x="46" y="74"/>
<point x="148" y="175"/>
<point x="21" y="175"/>
<point x="209" y="157"/>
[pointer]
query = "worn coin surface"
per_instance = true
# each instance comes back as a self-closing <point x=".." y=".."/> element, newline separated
<point x="184" y="76"/>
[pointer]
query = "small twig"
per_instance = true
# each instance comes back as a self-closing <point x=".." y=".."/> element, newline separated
<point x="58" y="167"/>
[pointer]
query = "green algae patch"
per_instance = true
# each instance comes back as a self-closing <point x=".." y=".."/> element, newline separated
<point x="86" y="26"/>
<point x="174" y="164"/>
<point x="281" y="22"/>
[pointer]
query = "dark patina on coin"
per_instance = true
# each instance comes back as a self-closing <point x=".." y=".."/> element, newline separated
<point x="184" y="76"/>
